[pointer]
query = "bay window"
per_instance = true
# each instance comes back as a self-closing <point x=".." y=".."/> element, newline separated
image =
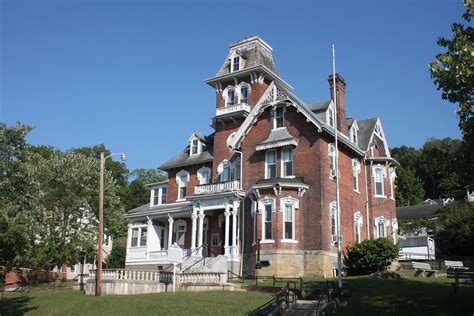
<point x="270" y="161"/>
<point x="289" y="222"/>
<point x="267" y="224"/>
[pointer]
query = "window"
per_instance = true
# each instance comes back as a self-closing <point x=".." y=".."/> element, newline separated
<point x="354" y="135"/>
<point x="230" y="97"/>
<point x="182" y="179"/>
<point x="236" y="63"/>
<point x="357" y="226"/>
<point x="143" y="237"/>
<point x="332" y="161"/>
<point x="279" y="117"/>
<point x="289" y="221"/>
<point x="156" y="196"/>
<point x="270" y="161"/>
<point x="204" y="175"/>
<point x="330" y="117"/>
<point x="267" y="224"/>
<point x="244" y="94"/>
<point x="378" y="176"/>
<point x="225" y="176"/>
<point x="237" y="170"/>
<point x="355" y="174"/>
<point x="139" y="235"/>
<point x="162" y="238"/>
<point x="164" y="193"/>
<point x="332" y="214"/>
<point x="215" y="240"/>
<point x="180" y="233"/>
<point x="287" y="162"/>
<point x="381" y="229"/>
<point x="391" y="177"/>
<point x="194" y="147"/>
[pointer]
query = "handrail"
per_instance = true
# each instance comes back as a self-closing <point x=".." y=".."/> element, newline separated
<point x="284" y="292"/>
<point x="203" y="246"/>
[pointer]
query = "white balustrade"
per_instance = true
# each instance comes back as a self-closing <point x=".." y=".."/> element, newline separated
<point x="135" y="253"/>
<point x="232" y="109"/>
<point x="217" y="187"/>
<point x="120" y="274"/>
<point x="197" y="278"/>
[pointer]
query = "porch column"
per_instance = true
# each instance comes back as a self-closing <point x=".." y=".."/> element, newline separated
<point x="193" y="230"/>
<point x="226" y="240"/>
<point x="234" y="232"/>
<point x="129" y="239"/>
<point x="170" y="230"/>
<point x="201" y="231"/>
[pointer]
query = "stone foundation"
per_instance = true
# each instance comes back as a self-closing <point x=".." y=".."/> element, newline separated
<point x="126" y="287"/>
<point x="292" y="263"/>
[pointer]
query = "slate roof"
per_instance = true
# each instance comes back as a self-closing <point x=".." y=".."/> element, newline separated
<point x="366" y="128"/>
<point x="278" y="137"/>
<point x="253" y="54"/>
<point x="184" y="159"/>
<point x="165" y="208"/>
<point x="320" y="107"/>
<point x="274" y="181"/>
<point x="418" y="211"/>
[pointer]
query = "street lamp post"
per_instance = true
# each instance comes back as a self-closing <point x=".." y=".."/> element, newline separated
<point x="98" y="283"/>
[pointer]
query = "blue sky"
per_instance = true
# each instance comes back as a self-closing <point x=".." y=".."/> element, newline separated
<point x="130" y="74"/>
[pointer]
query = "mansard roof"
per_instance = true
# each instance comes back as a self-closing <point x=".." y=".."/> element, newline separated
<point x="254" y="50"/>
<point x="184" y="159"/>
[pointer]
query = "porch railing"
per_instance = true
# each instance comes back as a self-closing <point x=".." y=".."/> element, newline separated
<point x="120" y="274"/>
<point x="140" y="254"/>
<point x="217" y="187"/>
<point x="231" y="109"/>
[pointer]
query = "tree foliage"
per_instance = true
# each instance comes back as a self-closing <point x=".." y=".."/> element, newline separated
<point x="116" y="259"/>
<point x="137" y="193"/>
<point x="453" y="73"/>
<point x="456" y="235"/>
<point x="370" y="256"/>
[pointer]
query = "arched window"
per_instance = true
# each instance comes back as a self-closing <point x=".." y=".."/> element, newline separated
<point x="182" y="178"/>
<point x="229" y="96"/>
<point x="267" y="207"/>
<point x="204" y="175"/>
<point x="224" y="170"/>
<point x="358" y="226"/>
<point x="180" y="231"/>
<point x="244" y="92"/>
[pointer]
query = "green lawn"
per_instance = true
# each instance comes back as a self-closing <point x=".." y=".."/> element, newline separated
<point x="44" y="301"/>
<point x="409" y="296"/>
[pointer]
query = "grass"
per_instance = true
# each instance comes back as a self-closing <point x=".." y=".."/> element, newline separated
<point x="43" y="300"/>
<point x="409" y="296"/>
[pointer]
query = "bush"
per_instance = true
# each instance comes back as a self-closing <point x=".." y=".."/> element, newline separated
<point x="372" y="255"/>
<point x="116" y="259"/>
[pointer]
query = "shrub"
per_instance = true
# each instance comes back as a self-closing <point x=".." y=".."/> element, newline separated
<point x="116" y="259"/>
<point x="372" y="255"/>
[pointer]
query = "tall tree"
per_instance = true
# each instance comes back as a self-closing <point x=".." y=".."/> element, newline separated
<point x="453" y="73"/>
<point x="137" y="193"/>
<point x="409" y="188"/>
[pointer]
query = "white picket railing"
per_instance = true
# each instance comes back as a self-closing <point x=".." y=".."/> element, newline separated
<point x="120" y="274"/>
<point x="217" y="187"/>
<point x="234" y="108"/>
<point x="194" y="278"/>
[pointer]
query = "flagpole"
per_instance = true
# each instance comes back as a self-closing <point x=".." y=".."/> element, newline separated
<point x="338" y="209"/>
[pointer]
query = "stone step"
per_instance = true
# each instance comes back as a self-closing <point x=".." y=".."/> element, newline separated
<point x="305" y="307"/>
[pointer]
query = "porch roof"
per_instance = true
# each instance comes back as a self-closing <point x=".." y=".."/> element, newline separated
<point x="146" y="209"/>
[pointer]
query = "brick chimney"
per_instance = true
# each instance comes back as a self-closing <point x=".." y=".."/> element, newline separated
<point x="341" y="101"/>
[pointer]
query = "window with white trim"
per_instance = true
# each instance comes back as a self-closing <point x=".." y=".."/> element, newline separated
<point x="378" y="180"/>
<point x="270" y="164"/>
<point x="237" y="169"/>
<point x="381" y="227"/>
<point x="355" y="173"/>
<point x="204" y="175"/>
<point x="287" y="162"/>
<point x="332" y="161"/>
<point x="159" y="195"/>
<point x="330" y="116"/>
<point x="391" y="179"/>
<point x="182" y="179"/>
<point x="279" y="120"/>
<point x="333" y="214"/>
<point x="288" y="221"/>
<point x="230" y="100"/>
<point x="358" y="226"/>
<point x="268" y="222"/>
<point x="244" y="93"/>
<point x="180" y="230"/>
<point x="139" y="236"/>
<point x="353" y="134"/>
<point x="236" y="63"/>
<point x="225" y="175"/>
<point x="194" y="146"/>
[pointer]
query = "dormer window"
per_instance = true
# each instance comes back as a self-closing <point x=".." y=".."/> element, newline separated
<point x="159" y="195"/>
<point x="235" y="63"/>
<point x="330" y="117"/>
<point x="279" y="118"/>
<point x="353" y="135"/>
<point x="194" y="147"/>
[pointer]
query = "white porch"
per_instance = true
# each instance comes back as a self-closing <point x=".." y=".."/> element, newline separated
<point x="149" y="239"/>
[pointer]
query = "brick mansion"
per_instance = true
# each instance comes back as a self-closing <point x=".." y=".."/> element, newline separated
<point x="266" y="177"/>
